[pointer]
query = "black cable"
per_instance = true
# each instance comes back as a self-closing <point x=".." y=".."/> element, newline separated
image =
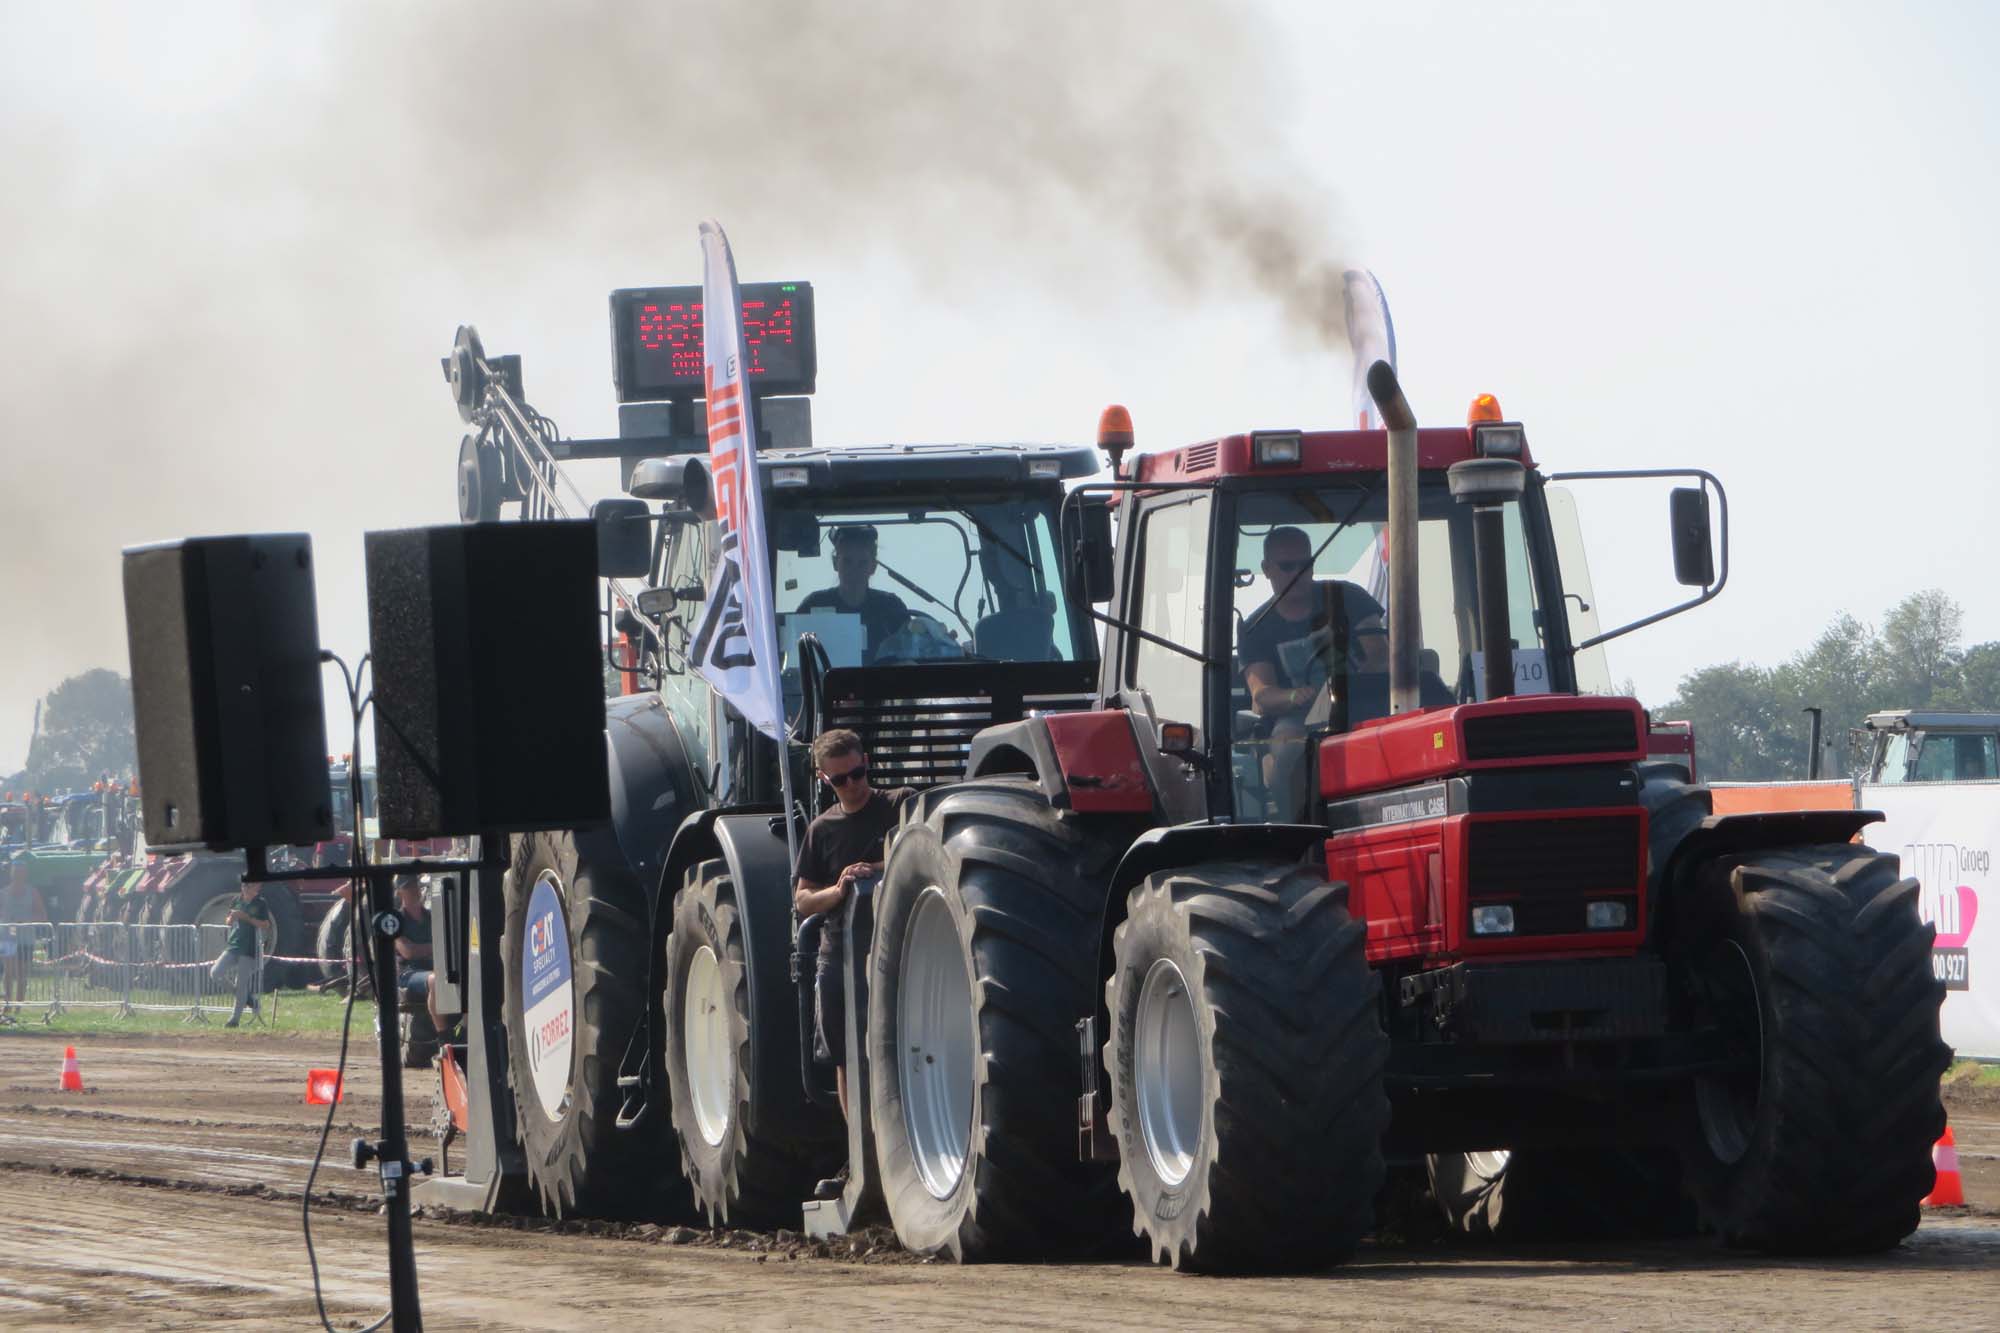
<point x="357" y="937"/>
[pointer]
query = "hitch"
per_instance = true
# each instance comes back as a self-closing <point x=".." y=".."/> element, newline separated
<point x="1443" y="987"/>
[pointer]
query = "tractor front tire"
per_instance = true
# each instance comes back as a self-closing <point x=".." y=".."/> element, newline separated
<point x="985" y="956"/>
<point x="575" y="945"/>
<point x="739" y="1178"/>
<point x="1814" y="961"/>
<point x="1246" y="1059"/>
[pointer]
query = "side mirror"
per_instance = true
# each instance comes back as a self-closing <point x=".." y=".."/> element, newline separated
<point x="1694" y="554"/>
<point x="1087" y="560"/>
<point x="656" y="603"/>
<point x="624" y="537"/>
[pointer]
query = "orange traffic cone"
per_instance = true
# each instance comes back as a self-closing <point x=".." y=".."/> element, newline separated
<point x="1949" y="1192"/>
<point x="322" y="1087"/>
<point x="72" y="1076"/>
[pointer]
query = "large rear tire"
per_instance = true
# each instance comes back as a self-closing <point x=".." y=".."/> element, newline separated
<point x="985" y="956"/>
<point x="1584" y="1193"/>
<point x="575" y="946"/>
<point x="1246" y="1060"/>
<point x="1814" y="961"/>
<point x="739" y="1178"/>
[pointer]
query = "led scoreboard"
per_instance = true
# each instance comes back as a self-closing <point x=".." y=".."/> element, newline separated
<point x="657" y="345"/>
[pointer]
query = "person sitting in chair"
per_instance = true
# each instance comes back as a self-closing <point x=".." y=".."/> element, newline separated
<point x="882" y="613"/>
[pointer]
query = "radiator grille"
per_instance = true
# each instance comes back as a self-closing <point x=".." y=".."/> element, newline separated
<point x="1537" y="735"/>
<point x="1549" y="858"/>
<point x="918" y="724"/>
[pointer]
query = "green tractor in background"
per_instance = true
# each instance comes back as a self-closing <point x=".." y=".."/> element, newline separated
<point x="65" y="840"/>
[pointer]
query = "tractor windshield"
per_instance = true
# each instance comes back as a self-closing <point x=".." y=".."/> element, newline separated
<point x="923" y="580"/>
<point x="1311" y="590"/>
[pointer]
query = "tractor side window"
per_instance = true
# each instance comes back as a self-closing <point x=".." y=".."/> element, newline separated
<point x="684" y="690"/>
<point x="1172" y="573"/>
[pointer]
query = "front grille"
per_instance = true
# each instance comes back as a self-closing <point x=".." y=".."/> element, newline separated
<point x="918" y="722"/>
<point x="1553" y="858"/>
<point x="1538" y="735"/>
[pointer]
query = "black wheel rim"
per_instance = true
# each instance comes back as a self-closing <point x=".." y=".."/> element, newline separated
<point x="1726" y="1099"/>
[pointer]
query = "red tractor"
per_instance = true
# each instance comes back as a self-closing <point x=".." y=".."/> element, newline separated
<point x="1342" y="874"/>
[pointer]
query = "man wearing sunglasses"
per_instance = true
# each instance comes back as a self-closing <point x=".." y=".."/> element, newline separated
<point x="843" y="846"/>
<point x="1300" y="605"/>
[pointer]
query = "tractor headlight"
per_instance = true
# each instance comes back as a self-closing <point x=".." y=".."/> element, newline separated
<point x="1493" y="921"/>
<point x="1275" y="450"/>
<point x="1606" y="915"/>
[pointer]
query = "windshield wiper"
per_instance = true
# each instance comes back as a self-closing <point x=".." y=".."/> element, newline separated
<point x="938" y="602"/>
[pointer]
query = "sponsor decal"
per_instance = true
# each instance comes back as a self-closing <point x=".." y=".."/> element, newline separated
<point x="548" y="997"/>
<point x="1948" y="905"/>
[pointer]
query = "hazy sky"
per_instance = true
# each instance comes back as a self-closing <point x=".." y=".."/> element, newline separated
<point x="237" y="240"/>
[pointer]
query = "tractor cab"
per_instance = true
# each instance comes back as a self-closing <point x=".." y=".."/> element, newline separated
<point x="1253" y="578"/>
<point x="1918" y="745"/>
<point x="16" y="820"/>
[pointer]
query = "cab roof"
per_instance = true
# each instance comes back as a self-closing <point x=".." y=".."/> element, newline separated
<point x="1917" y="719"/>
<point x="1319" y="452"/>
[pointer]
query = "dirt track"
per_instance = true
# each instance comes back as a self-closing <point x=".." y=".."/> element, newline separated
<point x="167" y="1198"/>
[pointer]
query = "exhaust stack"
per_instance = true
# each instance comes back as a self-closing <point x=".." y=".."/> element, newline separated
<point x="1405" y="615"/>
<point x="1488" y="485"/>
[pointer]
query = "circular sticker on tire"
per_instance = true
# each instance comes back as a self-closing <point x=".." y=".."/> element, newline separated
<point x="548" y="996"/>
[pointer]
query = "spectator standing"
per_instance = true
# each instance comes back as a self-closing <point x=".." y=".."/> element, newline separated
<point x="249" y="917"/>
<point x="843" y="847"/>
<point x="20" y="907"/>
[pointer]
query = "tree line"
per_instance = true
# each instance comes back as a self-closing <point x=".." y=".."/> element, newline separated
<point x="83" y="732"/>
<point x="1750" y="723"/>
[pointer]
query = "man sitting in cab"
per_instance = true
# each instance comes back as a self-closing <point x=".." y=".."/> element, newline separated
<point x="854" y="562"/>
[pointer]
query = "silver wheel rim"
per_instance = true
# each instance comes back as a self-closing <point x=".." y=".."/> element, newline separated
<point x="1728" y="1105"/>
<point x="711" y="1062"/>
<point x="935" y="1024"/>
<point x="1168" y="1072"/>
<point x="1488" y="1165"/>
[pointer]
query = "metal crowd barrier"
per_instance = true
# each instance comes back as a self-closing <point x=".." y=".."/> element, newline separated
<point x="128" y="968"/>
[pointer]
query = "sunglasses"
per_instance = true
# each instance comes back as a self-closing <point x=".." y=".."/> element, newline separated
<point x="1290" y="566"/>
<point x="842" y="779"/>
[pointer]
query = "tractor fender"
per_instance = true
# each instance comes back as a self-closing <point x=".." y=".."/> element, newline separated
<point x="652" y="788"/>
<point x="751" y="841"/>
<point x="1087" y="762"/>
<point x="1724" y="835"/>
<point x="1192" y="844"/>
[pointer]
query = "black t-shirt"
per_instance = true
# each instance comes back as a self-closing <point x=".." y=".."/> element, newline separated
<point x="1266" y="630"/>
<point x="882" y="613"/>
<point x="836" y="840"/>
<point x="417" y="931"/>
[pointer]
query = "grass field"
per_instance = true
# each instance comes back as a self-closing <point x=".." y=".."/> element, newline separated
<point x="1972" y="1071"/>
<point x="284" y="1012"/>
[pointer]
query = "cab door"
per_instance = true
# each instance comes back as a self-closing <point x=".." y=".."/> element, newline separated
<point x="1168" y="577"/>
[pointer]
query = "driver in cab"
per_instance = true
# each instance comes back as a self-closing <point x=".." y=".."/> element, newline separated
<point x="1299" y="607"/>
<point x="882" y="613"/>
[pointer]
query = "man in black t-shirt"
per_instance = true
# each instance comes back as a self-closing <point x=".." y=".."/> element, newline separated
<point x="1284" y="670"/>
<point x="843" y="846"/>
<point x="1300" y="607"/>
<point x="854" y="562"/>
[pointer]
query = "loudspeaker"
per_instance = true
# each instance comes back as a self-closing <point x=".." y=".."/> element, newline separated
<point x="488" y="678"/>
<point x="226" y="700"/>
